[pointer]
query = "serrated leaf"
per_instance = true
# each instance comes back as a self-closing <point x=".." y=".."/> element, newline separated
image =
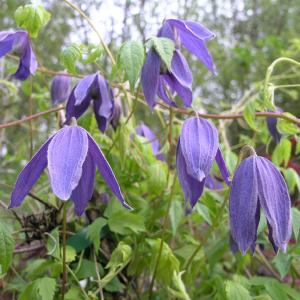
<point x="282" y="263"/>
<point x="131" y="58"/>
<point x="235" y="291"/>
<point x="93" y="231"/>
<point x="125" y="222"/>
<point x="275" y="290"/>
<point x="7" y="245"/>
<point x="46" y="288"/>
<point x="249" y="115"/>
<point x="296" y="222"/>
<point x="69" y="57"/>
<point x="165" y="48"/>
<point x="32" y="18"/>
<point x="282" y="152"/>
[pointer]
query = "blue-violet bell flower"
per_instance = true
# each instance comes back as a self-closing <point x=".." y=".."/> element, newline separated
<point x="60" y="89"/>
<point x="155" y="78"/>
<point x="144" y="131"/>
<point x="192" y="36"/>
<point x="272" y="126"/>
<point x="19" y="43"/>
<point x="71" y="156"/>
<point x="258" y="183"/>
<point x="92" y="87"/>
<point x="197" y="148"/>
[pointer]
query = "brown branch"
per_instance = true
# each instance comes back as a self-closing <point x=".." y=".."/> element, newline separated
<point x="35" y="116"/>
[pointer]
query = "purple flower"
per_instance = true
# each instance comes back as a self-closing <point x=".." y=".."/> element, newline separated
<point x="72" y="156"/>
<point x="145" y="131"/>
<point x="156" y="78"/>
<point x="197" y="148"/>
<point x="213" y="183"/>
<point x="257" y="183"/>
<point x="60" y="88"/>
<point x="272" y="126"/>
<point x="192" y="36"/>
<point x="91" y="87"/>
<point x="19" y="43"/>
<point x="117" y="113"/>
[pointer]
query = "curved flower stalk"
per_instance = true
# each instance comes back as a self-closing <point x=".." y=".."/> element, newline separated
<point x="272" y="126"/>
<point x="71" y="156"/>
<point x="197" y="148"/>
<point x="60" y="89"/>
<point x="156" y="78"/>
<point x="18" y="43"/>
<point x="257" y="183"/>
<point x="191" y="35"/>
<point x="92" y="87"/>
<point x="145" y="131"/>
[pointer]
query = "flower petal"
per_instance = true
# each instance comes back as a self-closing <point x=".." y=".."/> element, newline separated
<point x="6" y="42"/>
<point x="82" y="89"/>
<point x="76" y="111"/>
<point x="243" y="205"/>
<point x="66" y="154"/>
<point x="275" y="201"/>
<point x="150" y="77"/>
<point x="85" y="188"/>
<point x="29" y="175"/>
<point x="191" y="187"/>
<point x="60" y="88"/>
<point x="166" y="31"/>
<point x="222" y="167"/>
<point x="104" y="106"/>
<point x="106" y="171"/>
<point x="161" y="93"/>
<point x="181" y="70"/>
<point x="185" y="92"/>
<point x="199" y="145"/>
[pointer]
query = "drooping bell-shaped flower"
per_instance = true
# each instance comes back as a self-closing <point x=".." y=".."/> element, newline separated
<point x="213" y="183"/>
<point x="92" y="87"/>
<point x="60" y="89"/>
<point x="272" y="126"/>
<point x="157" y="80"/>
<point x="71" y="156"/>
<point x="117" y="113"/>
<point x="144" y="131"/>
<point x="191" y="35"/>
<point x="197" y="148"/>
<point x="258" y="184"/>
<point x="19" y="43"/>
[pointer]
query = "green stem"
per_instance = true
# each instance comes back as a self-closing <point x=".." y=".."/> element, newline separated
<point x="164" y="226"/>
<point x="64" y="275"/>
<point x="208" y="234"/>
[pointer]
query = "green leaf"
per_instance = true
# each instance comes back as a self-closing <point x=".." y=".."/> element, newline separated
<point x="53" y="243"/>
<point x="69" y="57"/>
<point x="46" y="288"/>
<point x="249" y="115"/>
<point x="165" y="48"/>
<point x="203" y="212"/>
<point x="93" y="231"/>
<point x="32" y="18"/>
<point x="282" y="263"/>
<point x="157" y="177"/>
<point x="296" y="222"/>
<point x="7" y="245"/>
<point x="168" y="263"/>
<point x="79" y="240"/>
<point x="125" y="222"/>
<point x="235" y="291"/>
<point x="131" y="58"/>
<point x="282" y="152"/>
<point x="292" y="179"/>
<point x="176" y="213"/>
<point x="178" y="282"/>
<point x="93" y="53"/>
<point x="287" y="127"/>
<point x="28" y="293"/>
<point x="275" y="290"/>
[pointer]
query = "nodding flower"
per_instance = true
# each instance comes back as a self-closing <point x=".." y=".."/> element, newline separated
<point x="258" y="184"/>
<point x="197" y="148"/>
<point x="72" y="157"/>
<point x="19" y="43"/>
